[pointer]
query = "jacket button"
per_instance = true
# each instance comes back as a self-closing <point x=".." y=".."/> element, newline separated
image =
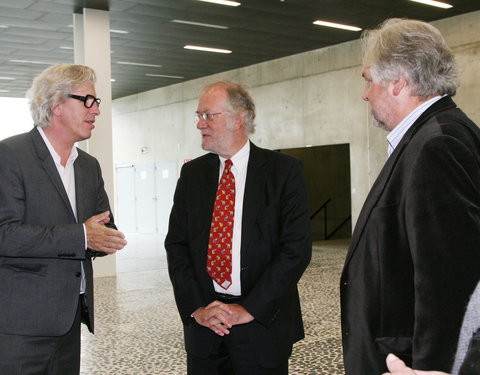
<point x="78" y="274"/>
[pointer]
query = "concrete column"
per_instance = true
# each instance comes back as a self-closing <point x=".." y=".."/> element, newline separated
<point x="92" y="48"/>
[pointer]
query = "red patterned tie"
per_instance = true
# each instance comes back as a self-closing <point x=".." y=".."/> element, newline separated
<point x="219" y="258"/>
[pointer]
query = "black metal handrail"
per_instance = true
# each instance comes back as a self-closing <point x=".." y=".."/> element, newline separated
<point x="323" y="207"/>
<point x="325" y="231"/>
<point x="327" y="237"/>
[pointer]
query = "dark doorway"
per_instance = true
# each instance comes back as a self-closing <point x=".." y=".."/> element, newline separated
<point x="327" y="171"/>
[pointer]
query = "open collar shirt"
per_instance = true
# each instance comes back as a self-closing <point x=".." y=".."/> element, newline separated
<point x="396" y="135"/>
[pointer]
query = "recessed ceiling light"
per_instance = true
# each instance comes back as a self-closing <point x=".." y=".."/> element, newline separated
<point x="7" y="78"/>
<point x="433" y="3"/>
<point x="119" y="31"/>
<point x="3" y="27"/>
<point x="223" y="2"/>
<point x="112" y="79"/>
<point x="164" y="76"/>
<point x="31" y="62"/>
<point x="138" y="64"/>
<point x="112" y="30"/>
<point x="66" y="47"/>
<point x="337" y="25"/>
<point x="201" y="24"/>
<point x="4" y="90"/>
<point x="208" y="49"/>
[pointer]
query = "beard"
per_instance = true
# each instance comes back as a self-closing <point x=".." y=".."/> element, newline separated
<point x="380" y="120"/>
<point x="379" y="124"/>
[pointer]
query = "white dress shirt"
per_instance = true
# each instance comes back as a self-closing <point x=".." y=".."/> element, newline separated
<point x="67" y="174"/>
<point x="239" y="170"/>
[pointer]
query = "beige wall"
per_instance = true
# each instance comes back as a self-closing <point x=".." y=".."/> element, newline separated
<point x="313" y="98"/>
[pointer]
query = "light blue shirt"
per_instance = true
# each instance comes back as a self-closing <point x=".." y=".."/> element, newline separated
<point x="396" y="135"/>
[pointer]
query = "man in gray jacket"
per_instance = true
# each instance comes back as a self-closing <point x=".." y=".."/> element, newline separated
<point x="54" y="218"/>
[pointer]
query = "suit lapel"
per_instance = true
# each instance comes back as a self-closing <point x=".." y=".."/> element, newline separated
<point x="80" y="176"/>
<point x="384" y="176"/>
<point x="254" y="188"/>
<point x="49" y="166"/>
<point x="209" y="178"/>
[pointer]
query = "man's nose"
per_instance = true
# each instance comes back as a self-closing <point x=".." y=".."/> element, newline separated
<point x="95" y="108"/>
<point x="365" y="95"/>
<point x="202" y="123"/>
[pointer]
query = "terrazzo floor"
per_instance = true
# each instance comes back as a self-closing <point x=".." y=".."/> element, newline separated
<point x="138" y="330"/>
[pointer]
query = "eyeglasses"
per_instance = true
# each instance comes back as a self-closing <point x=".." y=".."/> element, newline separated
<point x="88" y="100"/>
<point x="207" y="116"/>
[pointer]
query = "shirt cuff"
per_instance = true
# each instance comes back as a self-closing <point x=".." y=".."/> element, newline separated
<point x="85" y="236"/>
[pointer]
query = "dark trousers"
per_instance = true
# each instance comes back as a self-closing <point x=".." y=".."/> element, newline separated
<point x="235" y="355"/>
<point x="34" y="355"/>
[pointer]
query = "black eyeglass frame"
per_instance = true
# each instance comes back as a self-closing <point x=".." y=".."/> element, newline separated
<point x="85" y="98"/>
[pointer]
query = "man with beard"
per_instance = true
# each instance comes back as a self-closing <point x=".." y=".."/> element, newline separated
<point x="414" y="257"/>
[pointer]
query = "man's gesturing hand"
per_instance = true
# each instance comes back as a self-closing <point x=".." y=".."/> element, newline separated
<point x="101" y="238"/>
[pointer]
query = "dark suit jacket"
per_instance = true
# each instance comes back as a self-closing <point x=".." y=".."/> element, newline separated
<point x="41" y="244"/>
<point x="275" y="250"/>
<point x="414" y="258"/>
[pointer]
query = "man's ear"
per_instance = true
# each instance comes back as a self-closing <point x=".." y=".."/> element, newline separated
<point x="56" y="109"/>
<point x="399" y="85"/>
<point x="238" y="121"/>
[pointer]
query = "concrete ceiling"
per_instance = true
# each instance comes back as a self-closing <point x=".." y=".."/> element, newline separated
<point x="258" y="30"/>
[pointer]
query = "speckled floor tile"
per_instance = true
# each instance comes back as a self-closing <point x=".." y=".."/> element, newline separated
<point x="138" y="330"/>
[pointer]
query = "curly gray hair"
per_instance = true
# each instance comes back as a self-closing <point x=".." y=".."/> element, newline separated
<point x="52" y="87"/>
<point x="239" y="100"/>
<point x="414" y="50"/>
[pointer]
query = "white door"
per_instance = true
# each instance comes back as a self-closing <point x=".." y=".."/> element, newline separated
<point x="165" y="182"/>
<point x="125" y="214"/>
<point x="145" y="206"/>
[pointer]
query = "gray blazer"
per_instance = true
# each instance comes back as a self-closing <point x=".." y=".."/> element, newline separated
<point x="41" y="243"/>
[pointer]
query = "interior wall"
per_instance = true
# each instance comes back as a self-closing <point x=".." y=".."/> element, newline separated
<point x="313" y="98"/>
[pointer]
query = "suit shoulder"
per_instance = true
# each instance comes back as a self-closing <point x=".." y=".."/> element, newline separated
<point x="200" y="162"/>
<point x="18" y="147"/>
<point x="86" y="156"/>
<point x="451" y="123"/>
<point x="278" y="157"/>
<point x="15" y="141"/>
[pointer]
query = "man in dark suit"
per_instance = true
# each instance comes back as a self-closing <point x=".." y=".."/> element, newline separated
<point x="54" y="218"/>
<point x="243" y="315"/>
<point x="414" y="257"/>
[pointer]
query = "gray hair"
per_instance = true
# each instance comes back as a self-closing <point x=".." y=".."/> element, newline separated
<point x="414" y="50"/>
<point x="239" y="101"/>
<point x="52" y="87"/>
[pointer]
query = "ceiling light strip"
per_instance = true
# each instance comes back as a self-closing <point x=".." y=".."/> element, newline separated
<point x="138" y="64"/>
<point x="7" y="78"/>
<point x="223" y="2"/>
<point x="164" y="76"/>
<point x="434" y="3"/>
<point x="201" y="24"/>
<point x="119" y="31"/>
<point x="207" y="49"/>
<point x="336" y="25"/>
<point x="31" y="62"/>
